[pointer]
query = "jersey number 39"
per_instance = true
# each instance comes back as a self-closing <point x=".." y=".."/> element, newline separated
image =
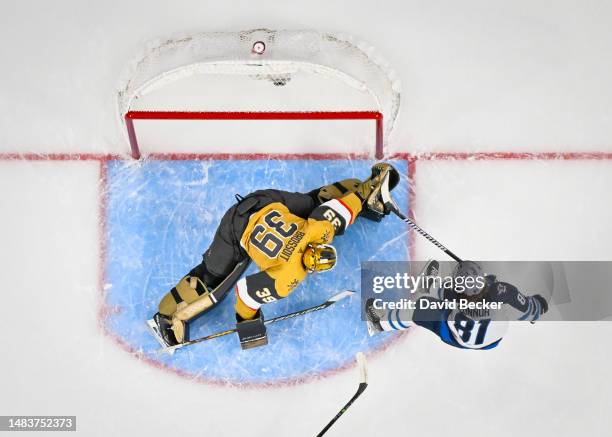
<point x="269" y="239"/>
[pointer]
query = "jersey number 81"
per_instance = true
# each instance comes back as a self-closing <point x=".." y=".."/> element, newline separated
<point x="471" y="332"/>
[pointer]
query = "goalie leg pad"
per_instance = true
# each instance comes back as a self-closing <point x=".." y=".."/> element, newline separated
<point x="188" y="290"/>
<point x="337" y="190"/>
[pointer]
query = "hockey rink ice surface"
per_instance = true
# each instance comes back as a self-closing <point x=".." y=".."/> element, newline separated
<point x="504" y="137"/>
<point x="162" y="215"/>
<point x="56" y="224"/>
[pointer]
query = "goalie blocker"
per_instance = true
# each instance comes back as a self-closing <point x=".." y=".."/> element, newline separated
<point x="252" y="332"/>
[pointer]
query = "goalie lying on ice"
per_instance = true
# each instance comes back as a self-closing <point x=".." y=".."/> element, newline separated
<point x="287" y="235"/>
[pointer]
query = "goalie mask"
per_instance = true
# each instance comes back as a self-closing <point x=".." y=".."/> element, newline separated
<point x="319" y="257"/>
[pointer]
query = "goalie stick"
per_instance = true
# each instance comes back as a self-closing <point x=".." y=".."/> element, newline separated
<point x="329" y="302"/>
<point x="392" y="206"/>
<point x="363" y="384"/>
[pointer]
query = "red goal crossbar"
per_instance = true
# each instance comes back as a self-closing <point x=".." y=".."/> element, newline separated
<point x="224" y="115"/>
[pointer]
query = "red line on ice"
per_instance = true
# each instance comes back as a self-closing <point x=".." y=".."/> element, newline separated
<point x="411" y="159"/>
<point x="493" y="156"/>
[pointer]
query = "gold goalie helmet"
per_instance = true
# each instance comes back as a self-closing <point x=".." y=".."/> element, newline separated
<point x="319" y="257"/>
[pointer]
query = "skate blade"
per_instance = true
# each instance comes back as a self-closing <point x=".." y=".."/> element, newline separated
<point x="371" y="328"/>
<point x="155" y="332"/>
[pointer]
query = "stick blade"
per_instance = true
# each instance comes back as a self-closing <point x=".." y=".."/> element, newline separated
<point x="362" y="367"/>
<point x="341" y="295"/>
<point x="168" y="350"/>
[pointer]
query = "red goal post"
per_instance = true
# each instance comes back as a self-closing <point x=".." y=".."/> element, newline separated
<point x="130" y="116"/>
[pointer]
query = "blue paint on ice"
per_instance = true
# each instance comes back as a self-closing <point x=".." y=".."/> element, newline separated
<point x="162" y="216"/>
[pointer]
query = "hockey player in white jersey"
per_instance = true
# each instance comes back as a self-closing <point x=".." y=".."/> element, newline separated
<point x="462" y="328"/>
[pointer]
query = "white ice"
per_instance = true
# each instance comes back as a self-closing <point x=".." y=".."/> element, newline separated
<point x="477" y="76"/>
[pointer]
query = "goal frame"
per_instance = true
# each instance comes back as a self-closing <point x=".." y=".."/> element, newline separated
<point x="376" y="116"/>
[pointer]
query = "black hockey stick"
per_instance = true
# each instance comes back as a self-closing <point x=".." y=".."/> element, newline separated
<point x="392" y="206"/>
<point x="329" y="302"/>
<point x="363" y="384"/>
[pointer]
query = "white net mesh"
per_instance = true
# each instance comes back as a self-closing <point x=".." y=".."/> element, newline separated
<point x="298" y="71"/>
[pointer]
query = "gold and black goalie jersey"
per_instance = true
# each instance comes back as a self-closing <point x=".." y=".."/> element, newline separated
<point x="275" y="239"/>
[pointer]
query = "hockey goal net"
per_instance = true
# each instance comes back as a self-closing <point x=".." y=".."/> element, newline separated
<point x="258" y="91"/>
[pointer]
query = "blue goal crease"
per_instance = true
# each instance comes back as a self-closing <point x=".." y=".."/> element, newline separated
<point x="163" y="214"/>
